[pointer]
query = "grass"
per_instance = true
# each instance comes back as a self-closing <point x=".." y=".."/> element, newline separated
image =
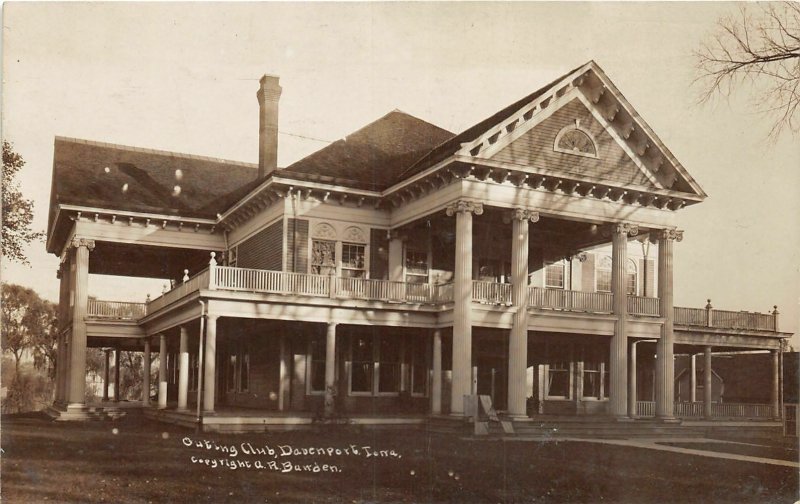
<point x="148" y="462"/>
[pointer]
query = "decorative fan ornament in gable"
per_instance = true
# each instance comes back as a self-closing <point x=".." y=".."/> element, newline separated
<point x="354" y="235"/>
<point x="324" y="231"/>
<point x="575" y="140"/>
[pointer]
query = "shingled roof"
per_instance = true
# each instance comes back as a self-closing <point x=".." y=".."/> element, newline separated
<point x="117" y="177"/>
<point x="373" y="157"/>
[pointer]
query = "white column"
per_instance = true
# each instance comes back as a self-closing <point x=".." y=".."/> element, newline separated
<point x="106" y="373"/>
<point x="436" y="386"/>
<point x="707" y="383"/>
<point x="117" y="362"/>
<point x="775" y="391"/>
<point x="693" y="381"/>
<point x="162" y="372"/>
<point x="210" y="364"/>
<point x="80" y="293"/>
<point x="665" y="363"/>
<point x="632" y="381"/>
<point x="518" y="339"/>
<point x="330" y="368"/>
<point x="462" y="306"/>
<point x="146" y="373"/>
<point x="283" y="374"/>
<point x="618" y="356"/>
<point x="183" y="370"/>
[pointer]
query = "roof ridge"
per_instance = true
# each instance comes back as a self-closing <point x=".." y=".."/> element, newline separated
<point x="155" y="151"/>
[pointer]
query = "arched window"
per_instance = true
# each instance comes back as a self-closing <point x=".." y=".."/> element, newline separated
<point x="575" y="140"/>
<point x="631" y="278"/>
<point x="603" y="283"/>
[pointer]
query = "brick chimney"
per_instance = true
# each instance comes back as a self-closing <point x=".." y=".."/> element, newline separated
<point x="268" y="96"/>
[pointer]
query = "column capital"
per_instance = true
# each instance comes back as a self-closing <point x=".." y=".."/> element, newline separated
<point x="82" y="242"/>
<point x="621" y="228"/>
<point x="524" y="214"/>
<point x="669" y="234"/>
<point x="462" y="206"/>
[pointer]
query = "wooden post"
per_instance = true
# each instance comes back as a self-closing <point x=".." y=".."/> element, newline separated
<point x="709" y="314"/>
<point x="212" y="272"/>
<point x="618" y="356"/>
<point x="80" y="271"/>
<point x="518" y="338"/>
<point x="632" y="412"/>
<point x="462" y="306"/>
<point x="436" y="388"/>
<point x="146" y="373"/>
<point x="106" y="373"/>
<point x="117" y="362"/>
<point x="707" y="410"/>
<point x="210" y="364"/>
<point x="330" y="369"/>
<point x="775" y="389"/>
<point x="665" y="364"/>
<point x="162" y="372"/>
<point x="693" y="381"/>
<point x="183" y="370"/>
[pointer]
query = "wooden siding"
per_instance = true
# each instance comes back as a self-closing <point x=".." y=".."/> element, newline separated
<point x="263" y="250"/>
<point x="297" y="245"/>
<point x="535" y="149"/>
<point x="378" y="255"/>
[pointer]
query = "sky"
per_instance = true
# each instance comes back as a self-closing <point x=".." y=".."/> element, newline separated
<point x="183" y="77"/>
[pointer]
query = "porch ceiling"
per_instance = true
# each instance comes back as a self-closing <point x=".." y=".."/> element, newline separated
<point x="145" y="261"/>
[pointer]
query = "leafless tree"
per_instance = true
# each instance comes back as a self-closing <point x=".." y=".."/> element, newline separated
<point x="760" y="49"/>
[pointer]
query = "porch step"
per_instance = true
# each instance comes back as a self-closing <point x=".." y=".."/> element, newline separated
<point x="69" y="413"/>
<point x="605" y="428"/>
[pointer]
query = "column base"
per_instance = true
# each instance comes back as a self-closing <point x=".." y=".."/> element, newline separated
<point x="624" y="419"/>
<point x="516" y="418"/>
<point x="668" y="420"/>
<point x="82" y="412"/>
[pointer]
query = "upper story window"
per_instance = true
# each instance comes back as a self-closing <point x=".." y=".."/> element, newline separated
<point x="575" y="140"/>
<point x="416" y="266"/>
<point x="353" y="260"/>
<point x="554" y="275"/>
<point x="604" y="276"/>
<point x="323" y="257"/>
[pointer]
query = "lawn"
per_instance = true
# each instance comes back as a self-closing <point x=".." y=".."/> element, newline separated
<point x="135" y="460"/>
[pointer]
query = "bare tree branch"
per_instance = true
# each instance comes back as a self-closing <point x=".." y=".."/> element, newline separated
<point x="761" y="50"/>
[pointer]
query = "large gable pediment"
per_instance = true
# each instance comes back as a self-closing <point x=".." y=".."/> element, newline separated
<point x="626" y="150"/>
<point x="573" y="142"/>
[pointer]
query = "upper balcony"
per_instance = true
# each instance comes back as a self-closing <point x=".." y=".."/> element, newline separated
<point x="337" y="289"/>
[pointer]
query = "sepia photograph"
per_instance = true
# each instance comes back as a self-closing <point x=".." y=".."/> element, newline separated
<point x="384" y="252"/>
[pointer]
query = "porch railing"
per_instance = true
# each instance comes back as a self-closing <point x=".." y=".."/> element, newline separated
<point x="640" y="305"/>
<point x="560" y="299"/>
<point x="690" y="316"/>
<point x="120" y="310"/>
<point x="726" y="319"/>
<point x="646" y="408"/>
<point x="391" y="291"/>
<point x="195" y="283"/>
<point x="689" y="409"/>
<point x="491" y="292"/>
<point x="272" y="282"/>
<point x="718" y="410"/>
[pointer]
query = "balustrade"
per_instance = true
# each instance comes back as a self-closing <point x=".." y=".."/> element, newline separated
<point x="121" y="310"/>
<point x="560" y="299"/>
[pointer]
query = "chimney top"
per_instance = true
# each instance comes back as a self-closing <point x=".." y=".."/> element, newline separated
<point x="269" y="93"/>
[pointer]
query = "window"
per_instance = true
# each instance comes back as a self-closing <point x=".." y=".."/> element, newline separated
<point x="604" y="275"/>
<point x="193" y="368"/>
<point x="416" y="266"/>
<point x="558" y="375"/>
<point x="316" y="368"/>
<point x="575" y="140"/>
<point x="595" y="373"/>
<point x="230" y="373"/>
<point x="419" y="366"/>
<point x="630" y="278"/>
<point x="323" y="257"/>
<point x="554" y="275"/>
<point x="362" y="365"/>
<point x="237" y="370"/>
<point x="352" y="260"/>
<point x="389" y="365"/>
